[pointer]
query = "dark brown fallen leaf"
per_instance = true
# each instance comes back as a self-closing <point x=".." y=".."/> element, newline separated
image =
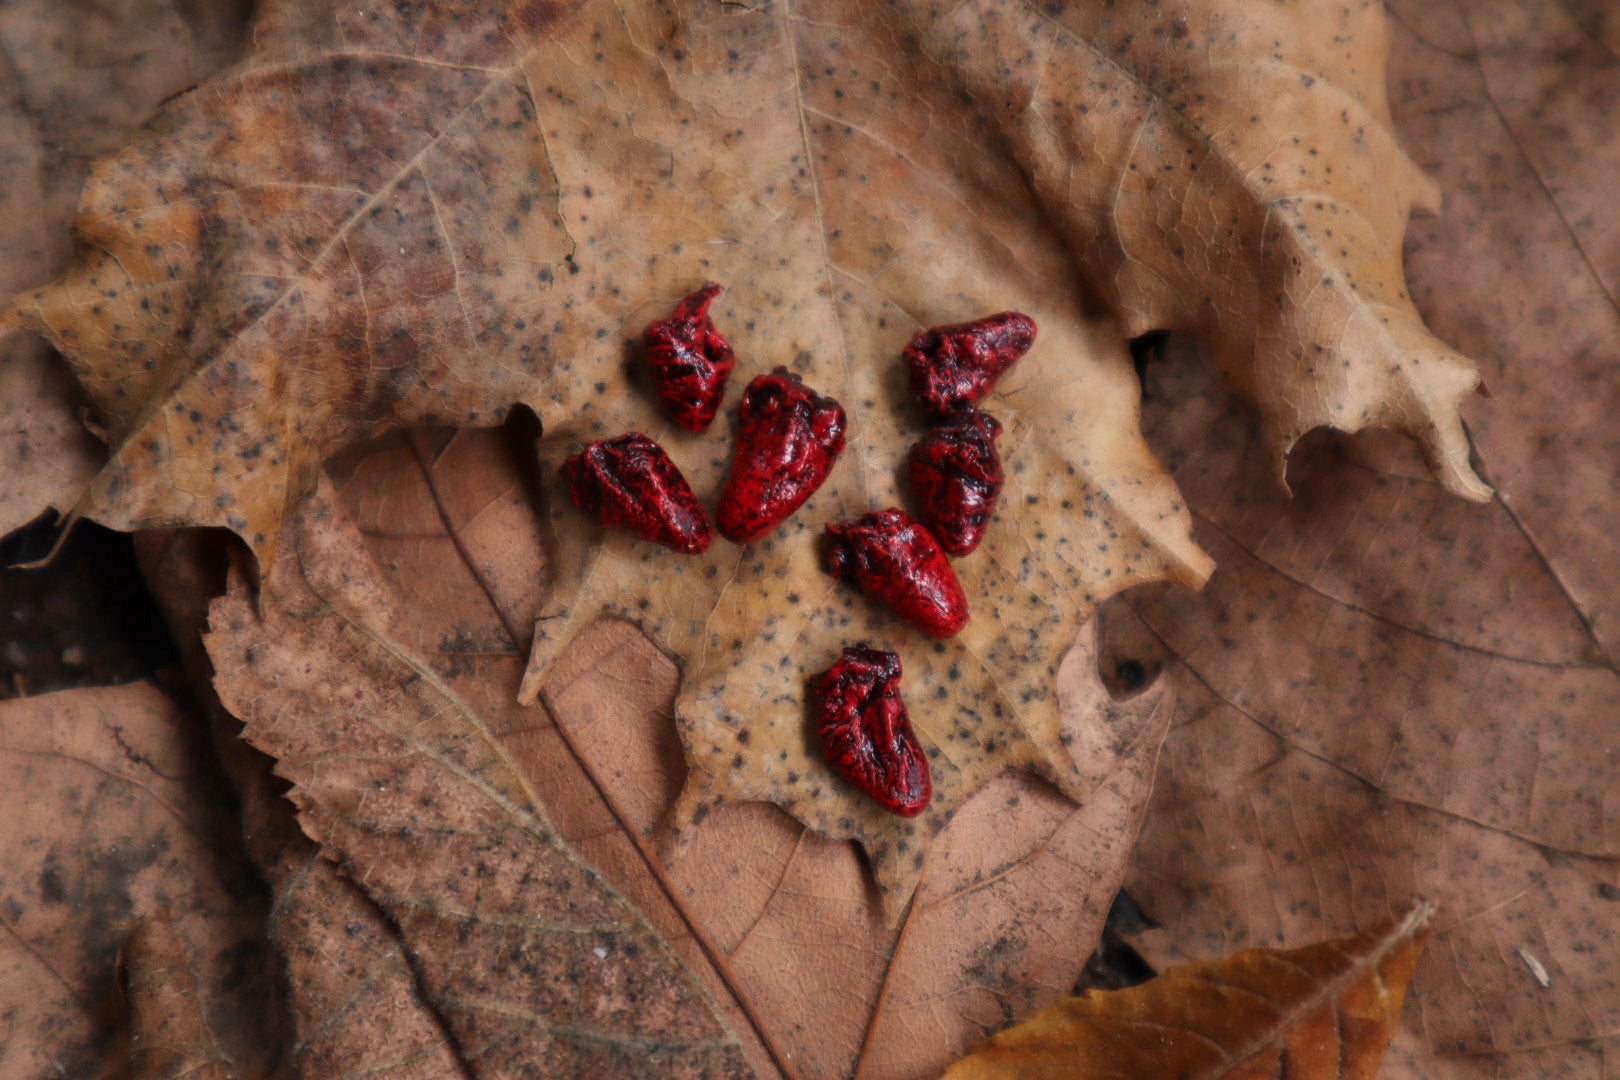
<point x="536" y="966"/>
<point x="46" y="454"/>
<point x="111" y="815"/>
<point x="1322" y="1012"/>
<point x="349" y="985"/>
<point x="1426" y="716"/>
<point x="1385" y="691"/>
<point x="1512" y="103"/>
<point x="169" y="1034"/>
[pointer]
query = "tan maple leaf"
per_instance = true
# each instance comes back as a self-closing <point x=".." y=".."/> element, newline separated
<point x="386" y="218"/>
<point x="80" y="78"/>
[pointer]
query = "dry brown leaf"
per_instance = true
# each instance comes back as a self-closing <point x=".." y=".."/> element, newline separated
<point x="169" y="1034"/>
<point x="389" y="220"/>
<point x="428" y="91"/>
<point x="1007" y="909"/>
<point x="1251" y="190"/>
<point x="1322" y="1012"/>
<point x="46" y="455"/>
<point x="293" y="301"/>
<point x="349" y="984"/>
<point x="76" y="76"/>
<point x="1513" y="104"/>
<point x="1386" y="691"/>
<point x="533" y="963"/>
<point x="1012" y="895"/>
<point x="1426" y="716"/>
<point x="111" y="816"/>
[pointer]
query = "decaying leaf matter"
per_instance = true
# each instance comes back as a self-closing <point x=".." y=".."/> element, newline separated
<point x="397" y="215"/>
<point x="170" y="1035"/>
<point x="76" y="78"/>
<point x="1323" y="1012"/>
<point x="533" y="963"/>
<point x="1014" y="889"/>
<point x="1252" y="191"/>
<point x="111" y="817"/>
<point x="1387" y="691"/>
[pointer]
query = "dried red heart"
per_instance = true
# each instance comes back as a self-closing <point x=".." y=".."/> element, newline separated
<point x="956" y="473"/>
<point x="957" y="365"/>
<point x="893" y="559"/>
<point x="690" y="361"/>
<point x="865" y="732"/>
<point x="630" y="483"/>
<point x="791" y="437"/>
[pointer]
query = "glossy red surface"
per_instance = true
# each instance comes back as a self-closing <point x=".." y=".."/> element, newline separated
<point x="897" y="561"/>
<point x="866" y="733"/>
<point x="630" y="483"/>
<point x="790" y="439"/>
<point x="690" y="361"/>
<point x="957" y="365"/>
<point x="956" y="473"/>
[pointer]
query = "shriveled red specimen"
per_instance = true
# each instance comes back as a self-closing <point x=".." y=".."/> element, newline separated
<point x="956" y="473"/>
<point x="958" y="364"/>
<point x="896" y="561"/>
<point x="866" y="733"/>
<point x="630" y="483"/>
<point x="791" y="438"/>
<point x="690" y="360"/>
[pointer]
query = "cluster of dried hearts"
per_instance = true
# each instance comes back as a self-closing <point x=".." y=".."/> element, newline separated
<point x="790" y="440"/>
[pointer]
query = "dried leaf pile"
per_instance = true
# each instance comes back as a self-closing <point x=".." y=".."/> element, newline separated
<point x="507" y="836"/>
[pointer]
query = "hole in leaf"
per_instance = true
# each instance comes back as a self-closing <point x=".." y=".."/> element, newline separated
<point x="1131" y="675"/>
